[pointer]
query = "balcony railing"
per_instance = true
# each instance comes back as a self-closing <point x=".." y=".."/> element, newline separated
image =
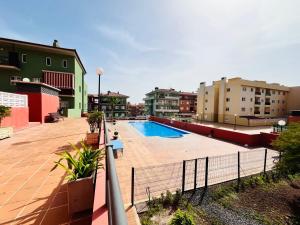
<point x="257" y="103"/>
<point x="114" y="202"/>
<point x="10" y="59"/>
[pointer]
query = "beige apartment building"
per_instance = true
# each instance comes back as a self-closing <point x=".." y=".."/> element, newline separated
<point x="244" y="102"/>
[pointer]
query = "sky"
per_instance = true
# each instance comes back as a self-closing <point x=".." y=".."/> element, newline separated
<point x="166" y="43"/>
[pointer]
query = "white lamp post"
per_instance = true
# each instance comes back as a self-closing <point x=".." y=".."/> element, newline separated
<point x="99" y="72"/>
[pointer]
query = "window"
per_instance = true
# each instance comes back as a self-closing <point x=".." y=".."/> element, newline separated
<point x="227" y="109"/>
<point x="14" y="78"/>
<point x="273" y="110"/>
<point x="206" y="100"/>
<point x="227" y="99"/>
<point x="279" y="92"/>
<point x="283" y="101"/>
<point x="251" y="109"/>
<point x="251" y="89"/>
<point x="251" y="99"/>
<point x="243" y="99"/>
<point x="79" y="88"/>
<point x="228" y="89"/>
<point x="273" y="101"/>
<point x="273" y="92"/>
<point x="243" y="109"/>
<point x="181" y="108"/>
<point x="123" y="107"/>
<point x="116" y="107"/>
<point x="65" y="63"/>
<point x="48" y="61"/>
<point x="244" y="89"/>
<point x="116" y="114"/>
<point x="206" y="92"/>
<point x="205" y="109"/>
<point x="278" y="101"/>
<point x="24" y="58"/>
<point x="283" y="92"/>
<point x="262" y="91"/>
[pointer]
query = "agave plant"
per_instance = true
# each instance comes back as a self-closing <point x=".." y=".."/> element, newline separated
<point x="83" y="163"/>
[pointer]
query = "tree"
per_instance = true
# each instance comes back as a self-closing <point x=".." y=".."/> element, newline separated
<point x="113" y="101"/>
<point x="289" y="144"/>
<point x="4" y="112"/>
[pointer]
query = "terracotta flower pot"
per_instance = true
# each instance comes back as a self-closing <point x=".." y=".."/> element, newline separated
<point x="81" y="195"/>
<point x="92" y="138"/>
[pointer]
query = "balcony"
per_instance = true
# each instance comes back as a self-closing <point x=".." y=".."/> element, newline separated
<point x="10" y="61"/>
<point x="257" y="103"/>
<point x="256" y="112"/>
<point x="257" y="93"/>
<point x="63" y="81"/>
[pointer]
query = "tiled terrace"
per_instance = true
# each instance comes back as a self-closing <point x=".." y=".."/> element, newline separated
<point x="142" y="151"/>
<point x="29" y="192"/>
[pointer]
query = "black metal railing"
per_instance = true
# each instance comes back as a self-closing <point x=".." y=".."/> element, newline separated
<point x="114" y="201"/>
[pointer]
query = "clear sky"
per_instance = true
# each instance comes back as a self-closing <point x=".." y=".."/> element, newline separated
<point x="166" y="43"/>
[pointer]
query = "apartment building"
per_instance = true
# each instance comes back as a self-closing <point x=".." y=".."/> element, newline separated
<point x="162" y="102"/>
<point x="117" y="109"/>
<point x="135" y="110"/>
<point x="49" y="64"/>
<point x="237" y="101"/>
<point x="188" y="104"/>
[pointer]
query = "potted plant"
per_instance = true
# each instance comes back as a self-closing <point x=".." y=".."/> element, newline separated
<point x="81" y="169"/>
<point x="115" y="135"/>
<point x="94" y="119"/>
<point x="5" y="131"/>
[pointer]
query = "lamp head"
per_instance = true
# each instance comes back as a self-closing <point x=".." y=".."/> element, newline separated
<point x="99" y="71"/>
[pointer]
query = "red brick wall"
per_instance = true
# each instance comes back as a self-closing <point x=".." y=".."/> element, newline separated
<point x="18" y="119"/>
<point x="262" y="139"/>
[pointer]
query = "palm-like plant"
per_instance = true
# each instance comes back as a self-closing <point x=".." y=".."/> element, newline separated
<point x="4" y="112"/>
<point x="113" y="101"/>
<point x="82" y="164"/>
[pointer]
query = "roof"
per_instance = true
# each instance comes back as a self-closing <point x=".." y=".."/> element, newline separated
<point x="61" y="50"/>
<point x="188" y="93"/>
<point x="39" y="84"/>
<point x="110" y="94"/>
<point x="162" y="90"/>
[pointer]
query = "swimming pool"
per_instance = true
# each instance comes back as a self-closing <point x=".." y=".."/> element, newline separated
<point x="150" y="129"/>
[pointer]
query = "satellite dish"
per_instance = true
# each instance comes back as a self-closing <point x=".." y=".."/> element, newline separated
<point x="281" y="123"/>
<point x="26" y="79"/>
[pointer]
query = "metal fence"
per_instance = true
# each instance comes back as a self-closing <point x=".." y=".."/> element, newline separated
<point x="13" y="100"/>
<point x="201" y="172"/>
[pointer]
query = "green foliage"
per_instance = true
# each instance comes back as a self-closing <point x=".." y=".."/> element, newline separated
<point x="182" y="218"/>
<point x="288" y="143"/>
<point x="4" y="112"/>
<point x="82" y="164"/>
<point x="146" y="221"/>
<point x="177" y="198"/>
<point x="94" y="118"/>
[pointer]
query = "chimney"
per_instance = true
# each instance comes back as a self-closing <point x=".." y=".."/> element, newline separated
<point x="108" y="92"/>
<point x="55" y="44"/>
<point x="156" y="88"/>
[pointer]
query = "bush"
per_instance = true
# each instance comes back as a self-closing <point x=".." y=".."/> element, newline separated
<point x="182" y="218"/>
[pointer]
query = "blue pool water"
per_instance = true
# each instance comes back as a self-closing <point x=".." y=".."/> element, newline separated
<point x="150" y="128"/>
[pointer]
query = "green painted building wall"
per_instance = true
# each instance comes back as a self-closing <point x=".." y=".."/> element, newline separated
<point x="36" y="63"/>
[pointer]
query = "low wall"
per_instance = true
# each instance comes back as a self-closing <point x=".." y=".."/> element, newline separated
<point x="252" y="140"/>
<point x="18" y="118"/>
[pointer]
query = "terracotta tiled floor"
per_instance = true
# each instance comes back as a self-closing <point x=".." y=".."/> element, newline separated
<point x="29" y="192"/>
<point x="140" y="151"/>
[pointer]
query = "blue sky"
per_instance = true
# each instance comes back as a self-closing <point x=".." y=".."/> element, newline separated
<point x="166" y="43"/>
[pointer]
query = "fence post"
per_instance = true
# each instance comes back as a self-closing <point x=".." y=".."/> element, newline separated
<point x="195" y="175"/>
<point x="132" y="186"/>
<point x="206" y="172"/>
<point x="265" y="161"/>
<point x="239" y="168"/>
<point x="183" y="176"/>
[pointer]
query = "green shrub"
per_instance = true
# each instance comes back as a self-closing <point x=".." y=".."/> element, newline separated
<point x="182" y="218"/>
<point x="168" y="199"/>
<point x="146" y="221"/>
<point x="177" y="198"/>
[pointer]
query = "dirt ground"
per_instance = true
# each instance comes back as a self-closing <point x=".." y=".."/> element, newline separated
<point x="278" y="203"/>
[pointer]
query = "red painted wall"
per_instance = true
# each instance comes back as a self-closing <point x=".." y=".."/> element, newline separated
<point x="50" y="103"/>
<point x="40" y="104"/>
<point x="262" y="139"/>
<point x="18" y="118"/>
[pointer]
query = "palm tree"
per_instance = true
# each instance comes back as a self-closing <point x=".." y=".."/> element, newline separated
<point x="113" y="101"/>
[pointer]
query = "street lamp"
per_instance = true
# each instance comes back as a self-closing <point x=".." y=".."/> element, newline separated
<point x="99" y="72"/>
<point x="235" y="115"/>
